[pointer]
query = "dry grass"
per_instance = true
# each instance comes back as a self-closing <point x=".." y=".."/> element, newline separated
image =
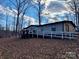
<point x="37" y="48"/>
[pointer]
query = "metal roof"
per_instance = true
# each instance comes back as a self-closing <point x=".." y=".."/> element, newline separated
<point x="52" y="24"/>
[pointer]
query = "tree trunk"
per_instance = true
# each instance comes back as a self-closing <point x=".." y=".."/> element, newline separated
<point x="17" y="24"/>
<point x="6" y="24"/>
<point x="39" y="13"/>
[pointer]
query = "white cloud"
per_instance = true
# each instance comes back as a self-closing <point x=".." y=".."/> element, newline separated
<point x="11" y="13"/>
<point x="56" y="7"/>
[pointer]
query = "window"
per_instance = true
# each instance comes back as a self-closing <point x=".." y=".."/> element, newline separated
<point x="53" y="29"/>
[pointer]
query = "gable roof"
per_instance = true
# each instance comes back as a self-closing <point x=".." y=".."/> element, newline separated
<point x="52" y="24"/>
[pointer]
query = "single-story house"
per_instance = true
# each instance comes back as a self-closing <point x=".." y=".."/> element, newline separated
<point x="46" y="29"/>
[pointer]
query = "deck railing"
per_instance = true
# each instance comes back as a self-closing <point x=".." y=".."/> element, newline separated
<point x="63" y="35"/>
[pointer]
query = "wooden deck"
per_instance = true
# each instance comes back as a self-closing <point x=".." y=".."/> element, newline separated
<point x="61" y="35"/>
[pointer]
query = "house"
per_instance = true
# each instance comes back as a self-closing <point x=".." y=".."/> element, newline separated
<point x="47" y="29"/>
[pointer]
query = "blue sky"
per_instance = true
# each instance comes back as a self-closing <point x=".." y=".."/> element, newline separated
<point x="55" y="10"/>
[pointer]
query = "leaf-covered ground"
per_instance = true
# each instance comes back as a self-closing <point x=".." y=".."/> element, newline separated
<point x="12" y="48"/>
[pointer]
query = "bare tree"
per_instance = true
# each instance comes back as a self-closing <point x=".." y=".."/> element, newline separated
<point x="1" y="15"/>
<point x="6" y="21"/>
<point x="20" y="6"/>
<point x="22" y="17"/>
<point x="74" y="6"/>
<point x="39" y="10"/>
<point x="6" y="16"/>
<point x="14" y="23"/>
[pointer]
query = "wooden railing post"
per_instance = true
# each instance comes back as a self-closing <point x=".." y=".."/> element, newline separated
<point x="62" y="35"/>
<point x="51" y="35"/>
<point x="29" y="34"/>
<point x="70" y="34"/>
<point x="37" y="34"/>
<point x="43" y="35"/>
<point x="32" y="33"/>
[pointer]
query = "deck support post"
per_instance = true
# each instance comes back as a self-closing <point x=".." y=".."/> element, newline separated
<point x="29" y="34"/>
<point x="70" y="34"/>
<point x="62" y="35"/>
<point x="32" y="34"/>
<point x="37" y="34"/>
<point x="51" y="35"/>
<point x="43" y="35"/>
